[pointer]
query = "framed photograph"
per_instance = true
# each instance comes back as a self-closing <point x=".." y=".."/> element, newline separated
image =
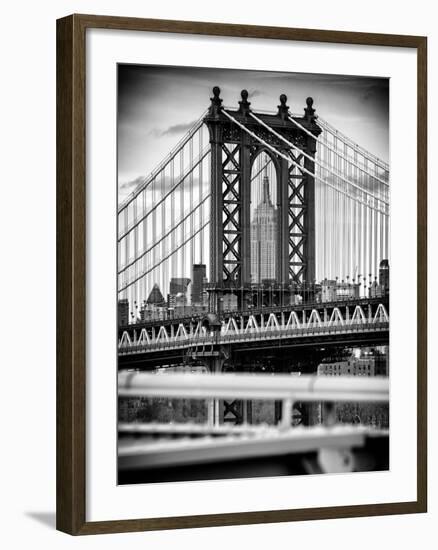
<point x="241" y="274"/>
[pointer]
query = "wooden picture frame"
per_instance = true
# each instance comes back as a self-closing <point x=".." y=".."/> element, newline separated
<point x="71" y="273"/>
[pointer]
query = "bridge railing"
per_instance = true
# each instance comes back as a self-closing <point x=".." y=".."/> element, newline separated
<point x="188" y="312"/>
<point x="254" y="386"/>
<point x="225" y="442"/>
<point x="253" y="334"/>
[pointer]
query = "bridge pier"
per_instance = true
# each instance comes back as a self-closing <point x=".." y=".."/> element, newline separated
<point x="311" y="414"/>
<point x="214" y="365"/>
<point x="214" y="361"/>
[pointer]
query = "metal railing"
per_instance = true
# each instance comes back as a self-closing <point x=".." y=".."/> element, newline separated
<point x="253" y="386"/>
<point x="254" y="335"/>
<point x="223" y="442"/>
<point x="189" y="313"/>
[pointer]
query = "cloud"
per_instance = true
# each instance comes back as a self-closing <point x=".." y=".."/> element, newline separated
<point x="161" y="186"/>
<point x="376" y="92"/>
<point x="172" y="130"/>
<point x="129" y="186"/>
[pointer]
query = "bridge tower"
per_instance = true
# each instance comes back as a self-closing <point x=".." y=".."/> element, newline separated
<point x="236" y="141"/>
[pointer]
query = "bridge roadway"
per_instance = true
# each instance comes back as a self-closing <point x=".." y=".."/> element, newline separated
<point x="273" y="331"/>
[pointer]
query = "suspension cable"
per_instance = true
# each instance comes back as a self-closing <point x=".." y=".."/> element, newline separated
<point x="350" y="143"/>
<point x="149" y="179"/>
<point x="302" y="168"/>
<point x="337" y="152"/>
<point x="188" y="239"/>
<point x="313" y="159"/>
<point x="155" y="206"/>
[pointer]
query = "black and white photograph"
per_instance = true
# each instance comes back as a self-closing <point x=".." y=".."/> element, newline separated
<point x="253" y="274"/>
<point x="219" y="275"/>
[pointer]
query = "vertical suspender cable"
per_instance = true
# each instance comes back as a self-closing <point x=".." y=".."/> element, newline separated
<point x="164" y="267"/>
<point x="337" y="217"/>
<point x="192" y="230"/>
<point x="201" y="188"/>
<point x="136" y="294"/>
<point x="347" y="168"/>
<point x="344" y="228"/>
<point x="154" y="230"/>
<point x="181" y="210"/>
<point x="377" y="216"/>
<point x="173" y="258"/>
<point x="126" y="241"/>
<point x="145" y="242"/>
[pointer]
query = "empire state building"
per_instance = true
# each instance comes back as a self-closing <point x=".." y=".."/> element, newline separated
<point x="264" y="237"/>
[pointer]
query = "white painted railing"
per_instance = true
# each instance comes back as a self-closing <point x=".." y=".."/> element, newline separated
<point x="253" y="386"/>
<point x="223" y="442"/>
<point x="164" y="341"/>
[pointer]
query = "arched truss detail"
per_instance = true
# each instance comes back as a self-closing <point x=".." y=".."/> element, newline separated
<point x="358" y="316"/>
<point x="125" y="340"/>
<point x="198" y="331"/>
<point x="181" y="331"/>
<point x="231" y="326"/>
<point x="336" y="317"/>
<point x="381" y="315"/>
<point x="314" y="319"/>
<point x="293" y="321"/>
<point x="272" y="323"/>
<point x="162" y="335"/>
<point x="144" y="338"/>
<point x="252" y="324"/>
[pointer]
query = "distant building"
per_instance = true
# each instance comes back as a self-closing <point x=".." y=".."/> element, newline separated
<point x="332" y="291"/>
<point x="178" y="295"/>
<point x="199" y="273"/>
<point x="381" y="288"/>
<point x="123" y="312"/>
<point x="264" y="238"/>
<point x="384" y="274"/>
<point x="176" y="300"/>
<point x="229" y="302"/>
<point x="179" y="284"/>
<point x="369" y="363"/>
<point x="204" y="294"/>
<point x="155" y="307"/>
<point x="155" y="299"/>
<point x="376" y="290"/>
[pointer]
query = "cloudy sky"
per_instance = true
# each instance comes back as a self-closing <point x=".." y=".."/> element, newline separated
<point x="157" y="105"/>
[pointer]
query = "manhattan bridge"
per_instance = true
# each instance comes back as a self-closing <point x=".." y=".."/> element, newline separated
<point x="329" y="283"/>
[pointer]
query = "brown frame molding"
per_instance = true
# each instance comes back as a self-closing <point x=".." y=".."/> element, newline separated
<point x="71" y="232"/>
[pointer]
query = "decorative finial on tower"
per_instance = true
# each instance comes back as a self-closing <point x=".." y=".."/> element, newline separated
<point x="244" y="104"/>
<point x="309" y="110"/>
<point x="283" y="109"/>
<point x="216" y="102"/>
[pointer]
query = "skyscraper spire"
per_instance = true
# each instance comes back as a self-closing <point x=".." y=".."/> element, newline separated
<point x="266" y="190"/>
<point x="264" y="237"/>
